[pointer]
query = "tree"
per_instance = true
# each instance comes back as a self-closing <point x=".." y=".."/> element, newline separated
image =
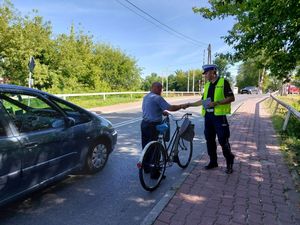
<point x="147" y="82"/>
<point x="72" y="61"/>
<point x="120" y="71"/>
<point x="222" y="63"/>
<point x="248" y="73"/>
<point x="68" y="63"/>
<point x="181" y="78"/>
<point x="21" y="38"/>
<point x="269" y="27"/>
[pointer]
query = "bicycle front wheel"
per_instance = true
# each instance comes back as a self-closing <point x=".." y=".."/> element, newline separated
<point x="153" y="166"/>
<point x="185" y="152"/>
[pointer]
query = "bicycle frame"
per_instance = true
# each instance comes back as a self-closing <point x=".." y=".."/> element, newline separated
<point x="151" y="171"/>
<point x="169" y="148"/>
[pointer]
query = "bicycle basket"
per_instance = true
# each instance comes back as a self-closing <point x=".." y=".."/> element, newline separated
<point x="187" y="130"/>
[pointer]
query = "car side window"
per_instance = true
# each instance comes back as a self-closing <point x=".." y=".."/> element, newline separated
<point x="2" y="130"/>
<point x="74" y="112"/>
<point x="31" y="113"/>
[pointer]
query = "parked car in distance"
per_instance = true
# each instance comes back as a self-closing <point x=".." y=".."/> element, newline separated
<point x="292" y="89"/>
<point x="249" y="90"/>
<point x="44" y="138"/>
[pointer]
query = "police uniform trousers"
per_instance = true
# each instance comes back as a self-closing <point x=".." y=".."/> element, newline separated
<point x="217" y="126"/>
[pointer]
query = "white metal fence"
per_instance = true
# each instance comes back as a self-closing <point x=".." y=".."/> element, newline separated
<point x="105" y="94"/>
<point x="290" y="110"/>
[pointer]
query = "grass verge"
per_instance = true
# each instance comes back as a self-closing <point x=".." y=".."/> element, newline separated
<point x="97" y="101"/>
<point x="290" y="138"/>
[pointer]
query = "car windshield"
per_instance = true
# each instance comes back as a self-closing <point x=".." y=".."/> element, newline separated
<point x="29" y="112"/>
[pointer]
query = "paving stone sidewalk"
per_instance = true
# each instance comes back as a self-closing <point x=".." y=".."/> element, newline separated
<point x="260" y="190"/>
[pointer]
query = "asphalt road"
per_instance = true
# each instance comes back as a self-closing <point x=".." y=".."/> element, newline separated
<point x="113" y="196"/>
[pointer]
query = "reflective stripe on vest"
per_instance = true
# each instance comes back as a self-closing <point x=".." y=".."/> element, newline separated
<point x="218" y="96"/>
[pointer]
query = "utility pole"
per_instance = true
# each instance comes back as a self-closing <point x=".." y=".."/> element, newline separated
<point x="167" y="84"/>
<point x="203" y="57"/>
<point x="193" y="81"/>
<point x="188" y="84"/>
<point x="209" y="54"/>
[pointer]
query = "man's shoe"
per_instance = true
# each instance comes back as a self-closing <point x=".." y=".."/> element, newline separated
<point x="211" y="166"/>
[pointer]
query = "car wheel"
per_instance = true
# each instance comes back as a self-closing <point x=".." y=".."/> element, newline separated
<point x="97" y="157"/>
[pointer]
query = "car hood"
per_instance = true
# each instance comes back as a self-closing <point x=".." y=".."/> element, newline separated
<point x="104" y="122"/>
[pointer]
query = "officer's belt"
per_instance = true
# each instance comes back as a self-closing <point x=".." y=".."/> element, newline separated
<point x="209" y="110"/>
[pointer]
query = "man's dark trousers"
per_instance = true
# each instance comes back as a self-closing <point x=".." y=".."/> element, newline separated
<point x="217" y="126"/>
<point x="149" y="132"/>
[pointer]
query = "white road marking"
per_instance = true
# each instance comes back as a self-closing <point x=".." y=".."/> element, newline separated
<point x="127" y="122"/>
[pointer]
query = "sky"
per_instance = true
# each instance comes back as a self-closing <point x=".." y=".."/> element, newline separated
<point x="140" y="36"/>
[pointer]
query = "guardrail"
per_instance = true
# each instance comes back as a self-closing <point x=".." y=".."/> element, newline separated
<point x="290" y="111"/>
<point x="104" y="94"/>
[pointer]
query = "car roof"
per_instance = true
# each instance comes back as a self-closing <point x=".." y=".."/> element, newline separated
<point x="9" y="87"/>
<point x="12" y="87"/>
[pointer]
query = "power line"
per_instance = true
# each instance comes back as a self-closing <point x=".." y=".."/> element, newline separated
<point x="147" y="19"/>
<point x="196" y="41"/>
<point x="162" y="25"/>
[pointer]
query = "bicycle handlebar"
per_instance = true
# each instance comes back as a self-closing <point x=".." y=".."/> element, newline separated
<point x="175" y="119"/>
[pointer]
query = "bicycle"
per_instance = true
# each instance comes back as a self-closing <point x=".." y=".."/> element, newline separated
<point x="157" y="155"/>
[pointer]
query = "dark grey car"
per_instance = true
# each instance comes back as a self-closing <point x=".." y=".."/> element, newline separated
<point x="44" y="138"/>
<point x="249" y="90"/>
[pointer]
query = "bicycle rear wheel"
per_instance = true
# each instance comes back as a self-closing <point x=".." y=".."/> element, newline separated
<point x="185" y="152"/>
<point x="153" y="166"/>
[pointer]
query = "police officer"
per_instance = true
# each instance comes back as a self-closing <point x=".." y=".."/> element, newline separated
<point x="153" y="107"/>
<point x="216" y="103"/>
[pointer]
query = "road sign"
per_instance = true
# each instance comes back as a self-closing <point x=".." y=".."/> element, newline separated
<point x="31" y="64"/>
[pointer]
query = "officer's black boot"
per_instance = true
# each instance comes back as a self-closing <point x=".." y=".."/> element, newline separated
<point x="229" y="165"/>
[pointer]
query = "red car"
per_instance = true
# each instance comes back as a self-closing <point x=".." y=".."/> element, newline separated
<point x="292" y="89"/>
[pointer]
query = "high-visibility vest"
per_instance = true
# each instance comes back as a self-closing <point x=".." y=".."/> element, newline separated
<point x="218" y="96"/>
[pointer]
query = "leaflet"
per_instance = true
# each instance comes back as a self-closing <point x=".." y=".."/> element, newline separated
<point x="206" y="102"/>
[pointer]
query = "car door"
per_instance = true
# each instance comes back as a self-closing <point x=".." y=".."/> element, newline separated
<point x="10" y="160"/>
<point x="41" y="130"/>
<point x="83" y="132"/>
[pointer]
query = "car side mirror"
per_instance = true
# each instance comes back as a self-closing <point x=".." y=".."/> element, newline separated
<point x="70" y="121"/>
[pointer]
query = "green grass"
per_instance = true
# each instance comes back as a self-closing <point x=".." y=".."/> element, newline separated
<point x="97" y="101"/>
<point x="293" y="100"/>
<point x="290" y="138"/>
